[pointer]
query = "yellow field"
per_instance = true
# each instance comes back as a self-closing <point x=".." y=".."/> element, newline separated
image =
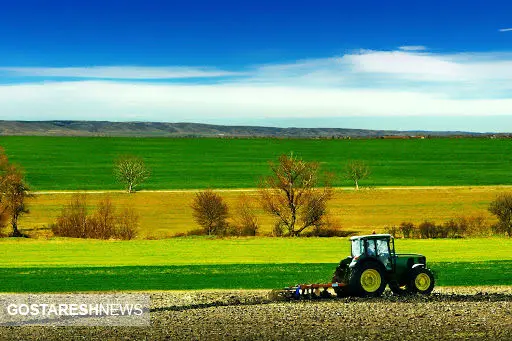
<point x="164" y="214"/>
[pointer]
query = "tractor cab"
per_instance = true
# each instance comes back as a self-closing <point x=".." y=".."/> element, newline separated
<point x="381" y="247"/>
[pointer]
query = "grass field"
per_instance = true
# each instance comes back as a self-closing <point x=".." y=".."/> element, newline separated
<point x="86" y="163"/>
<point x="165" y="214"/>
<point x="245" y="263"/>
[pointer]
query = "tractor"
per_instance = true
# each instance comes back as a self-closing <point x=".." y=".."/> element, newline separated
<point x="374" y="264"/>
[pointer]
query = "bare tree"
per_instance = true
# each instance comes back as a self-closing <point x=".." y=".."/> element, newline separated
<point x="13" y="194"/>
<point x="501" y="207"/>
<point x="210" y="212"/>
<point x="131" y="171"/>
<point x="291" y="195"/>
<point x="73" y="220"/>
<point x="102" y="224"/>
<point x="357" y="170"/>
<point x="128" y="224"/>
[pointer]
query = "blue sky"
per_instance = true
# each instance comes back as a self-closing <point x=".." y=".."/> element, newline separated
<point x="442" y="65"/>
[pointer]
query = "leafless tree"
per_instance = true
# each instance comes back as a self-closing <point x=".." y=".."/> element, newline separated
<point x="501" y="207"/>
<point x="102" y="224"/>
<point x="73" y="220"/>
<point x="13" y="194"/>
<point x="128" y="224"/>
<point x="291" y="194"/>
<point x="131" y="171"/>
<point x="210" y="212"/>
<point x="357" y="170"/>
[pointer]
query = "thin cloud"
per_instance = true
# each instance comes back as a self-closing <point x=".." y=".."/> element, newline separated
<point x="362" y="83"/>
<point x="413" y="48"/>
<point x="505" y="29"/>
<point x="118" y="72"/>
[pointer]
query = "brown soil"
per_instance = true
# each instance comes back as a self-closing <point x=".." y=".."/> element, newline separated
<point x="483" y="313"/>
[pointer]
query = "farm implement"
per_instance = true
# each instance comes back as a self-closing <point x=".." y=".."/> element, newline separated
<point x="372" y="266"/>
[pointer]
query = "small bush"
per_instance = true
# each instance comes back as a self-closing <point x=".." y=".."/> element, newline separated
<point x="407" y="229"/>
<point x="474" y="225"/>
<point x="104" y="223"/>
<point x="127" y="224"/>
<point x="72" y="221"/>
<point x="427" y="229"/>
<point x="196" y="232"/>
<point x="246" y="221"/>
<point x="278" y="230"/>
<point x="329" y="227"/>
<point x="392" y="230"/>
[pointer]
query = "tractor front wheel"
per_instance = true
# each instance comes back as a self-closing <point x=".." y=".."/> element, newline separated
<point x="398" y="290"/>
<point x="367" y="280"/>
<point x="421" y="281"/>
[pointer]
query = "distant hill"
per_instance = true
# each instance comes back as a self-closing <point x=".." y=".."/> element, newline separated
<point x="160" y="129"/>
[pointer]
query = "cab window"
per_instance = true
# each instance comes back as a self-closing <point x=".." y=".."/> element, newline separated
<point x="357" y="248"/>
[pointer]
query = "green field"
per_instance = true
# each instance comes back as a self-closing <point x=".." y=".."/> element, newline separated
<point x="243" y="263"/>
<point x="72" y="163"/>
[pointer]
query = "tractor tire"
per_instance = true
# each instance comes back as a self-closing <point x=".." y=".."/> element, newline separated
<point x="342" y="291"/>
<point x="339" y="276"/>
<point x="421" y="281"/>
<point x="398" y="290"/>
<point x="367" y="280"/>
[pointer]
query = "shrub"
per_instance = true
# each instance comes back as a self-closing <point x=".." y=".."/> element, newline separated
<point x="407" y="229"/>
<point x="392" y="230"/>
<point x="329" y="227"/>
<point x="476" y="225"/>
<point x="442" y="231"/>
<point x="104" y="223"/>
<point x="501" y="207"/>
<point x="127" y="224"/>
<point x="72" y="221"/>
<point x="453" y="229"/>
<point x="246" y="221"/>
<point x="278" y="229"/>
<point x="427" y="229"/>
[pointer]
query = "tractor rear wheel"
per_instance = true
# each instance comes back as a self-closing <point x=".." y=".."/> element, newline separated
<point x="339" y="276"/>
<point x="367" y="280"/>
<point x="421" y="281"/>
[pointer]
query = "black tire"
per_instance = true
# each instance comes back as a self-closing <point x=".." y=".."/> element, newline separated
<point x="398" y="290"/>
<point x="340" y="276"/>
<point x="342" y="291"/>
<point x="368" y="280"/>
<point x="421" y="281"/>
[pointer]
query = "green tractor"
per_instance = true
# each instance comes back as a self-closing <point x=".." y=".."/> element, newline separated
<point x="374" y="264"/>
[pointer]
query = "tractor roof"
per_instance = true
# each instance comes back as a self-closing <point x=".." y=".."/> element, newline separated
<point x="372" y="236"/>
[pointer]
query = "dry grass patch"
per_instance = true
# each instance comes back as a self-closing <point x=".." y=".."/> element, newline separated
<point x="164" y="214"/>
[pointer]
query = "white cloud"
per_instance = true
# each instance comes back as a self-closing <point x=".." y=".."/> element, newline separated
<point x="412" y="48"/>
<point x="118" y="72"/>
<point x="505" y="29"/>
<point x="125" y="101"/>
<point x="364" y="83"/>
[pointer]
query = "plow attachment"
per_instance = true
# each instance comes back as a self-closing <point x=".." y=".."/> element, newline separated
<point x="307" y="291"/>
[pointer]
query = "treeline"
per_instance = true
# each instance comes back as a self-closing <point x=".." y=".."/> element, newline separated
<point x="461" y="227"/>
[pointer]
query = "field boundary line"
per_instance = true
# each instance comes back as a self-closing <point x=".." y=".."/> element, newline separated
<point x="383" y="188"/>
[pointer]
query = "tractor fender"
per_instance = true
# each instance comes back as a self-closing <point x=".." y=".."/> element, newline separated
<point x="418" y="266"/>
<point x="360" y="262"/>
